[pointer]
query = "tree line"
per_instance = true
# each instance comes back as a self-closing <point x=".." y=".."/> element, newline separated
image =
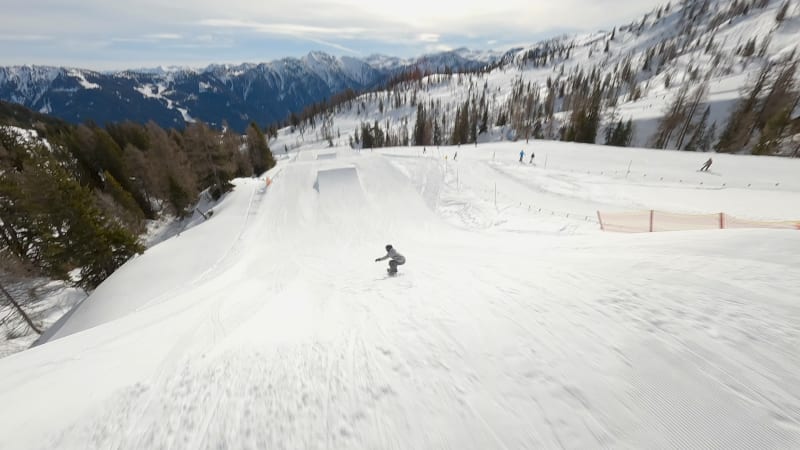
<point x="75" y="199"/>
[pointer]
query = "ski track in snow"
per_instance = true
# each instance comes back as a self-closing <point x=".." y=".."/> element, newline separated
<point x="291" y="337"/>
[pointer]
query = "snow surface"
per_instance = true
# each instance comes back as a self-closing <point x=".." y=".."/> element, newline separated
<point x="81" y="78"/>
<point x="26" y="136"/>
<point x="270" y="326"/>
<point x="44" y="300"/>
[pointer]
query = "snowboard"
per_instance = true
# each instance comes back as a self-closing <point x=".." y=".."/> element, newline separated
<point x="391" y="273"/>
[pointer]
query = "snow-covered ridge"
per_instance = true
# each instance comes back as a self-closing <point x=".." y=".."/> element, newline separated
<point x="81" y="78"/>
<point x="641" y="66"/>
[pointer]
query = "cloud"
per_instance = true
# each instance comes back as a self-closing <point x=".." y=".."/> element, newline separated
<point x="24" y="37"/>
<point x="316" y="34"/>
<point x="438" y="48"/>
<point x="160" y="36"/>
<point x="254" y="30"/>
<point x="287" y="29"/>
<point x="428" y="37"/>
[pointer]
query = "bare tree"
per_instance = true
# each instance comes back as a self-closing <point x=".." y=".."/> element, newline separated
<point x="673" y="117"/>
<point x="18" y="308"/>
<point x="698" y="96"/>
<point x="9" y="265"/>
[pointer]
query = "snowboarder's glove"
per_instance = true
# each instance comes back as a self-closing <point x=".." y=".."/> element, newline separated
<point x="377" y="259"/>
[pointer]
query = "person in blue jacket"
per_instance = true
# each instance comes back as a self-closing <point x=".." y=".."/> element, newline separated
<point x="521" y="155"/>
<point x="395" y="259"/>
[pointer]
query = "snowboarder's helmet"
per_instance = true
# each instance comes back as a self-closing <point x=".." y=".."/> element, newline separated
<point x="388" y="247"/>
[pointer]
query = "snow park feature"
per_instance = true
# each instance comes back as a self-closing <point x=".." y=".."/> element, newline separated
<point x="517" y="322"/>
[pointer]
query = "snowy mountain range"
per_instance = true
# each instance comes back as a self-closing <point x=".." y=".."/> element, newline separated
<point x="236" y="94"/>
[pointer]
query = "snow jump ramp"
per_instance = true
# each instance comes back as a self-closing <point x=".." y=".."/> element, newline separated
<point x="326" y="155"/>
<point x="340" y="190"/>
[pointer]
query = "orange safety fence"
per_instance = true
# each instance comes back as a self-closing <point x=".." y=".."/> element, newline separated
<point x="649" y="221"/>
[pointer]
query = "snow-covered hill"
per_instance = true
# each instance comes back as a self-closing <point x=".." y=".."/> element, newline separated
<point x="706" y="53"/>
<point x="515" y="322"/>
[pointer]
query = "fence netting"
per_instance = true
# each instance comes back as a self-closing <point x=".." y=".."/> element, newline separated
<point x="651" y="220"/>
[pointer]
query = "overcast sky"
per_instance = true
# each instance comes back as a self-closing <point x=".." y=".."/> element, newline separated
<point x="118" y="34"/>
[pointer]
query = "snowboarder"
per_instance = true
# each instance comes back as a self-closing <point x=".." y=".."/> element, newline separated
<point x="455" y="155"/>
<point x="396" y="259"/>
<point x="532" y="155"/>
<point x="706" y="166"/>
<point x="521" y="155"/>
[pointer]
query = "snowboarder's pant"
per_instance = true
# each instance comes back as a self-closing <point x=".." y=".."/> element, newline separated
<point x="393" y="265"/>
<point x="705" y="167"/>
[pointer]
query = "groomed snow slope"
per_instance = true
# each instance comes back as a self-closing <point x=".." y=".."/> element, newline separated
<point x="270" y="326"/>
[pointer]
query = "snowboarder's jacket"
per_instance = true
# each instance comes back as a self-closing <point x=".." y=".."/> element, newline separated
<point x="394" y="255"/>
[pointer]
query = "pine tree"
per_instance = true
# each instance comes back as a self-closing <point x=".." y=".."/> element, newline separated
<point x="709" y="137"/>
<point x="437" y="133"/>
<point x="208" y="158"/>
<point x="422" y="127"/>
<point x="782" y="12"/>
<point x="260" y="155"/>
<point x="628" y="136"/>
<point x="673" y="117"/>
<point x="754" y="110"/>
<point x="770" y="139"/>
<point x="172" y="175"/>
<point x="699" y="135"/>
<point x="54" y="223"/>
<point x="620" y="134"/>
<point x="367" y="138"/>
<point x="585" y="118"/>
<point x="696" y="98"/>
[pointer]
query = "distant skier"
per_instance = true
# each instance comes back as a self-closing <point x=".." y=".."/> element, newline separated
<point x="532" y="155"/>
<point x="521" y="155"/>
<point x="396" y="259"/>
<point x="455" y="156"/>
<point x="706" y="166"/>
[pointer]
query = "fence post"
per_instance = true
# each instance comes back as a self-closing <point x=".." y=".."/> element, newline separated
<point x="651" y="220"/>
<point x="600" y="219"/>
<point x="721" y="221"/>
